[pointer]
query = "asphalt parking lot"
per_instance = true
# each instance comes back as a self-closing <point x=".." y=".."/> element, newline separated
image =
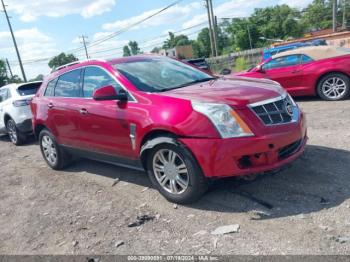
<point x="302" y="210"/>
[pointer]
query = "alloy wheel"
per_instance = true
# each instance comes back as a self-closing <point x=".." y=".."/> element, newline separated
<point x="49" y="149"/>
<point x="334" y="88"/>
<point x="11" y="129"/>
<point x="170" y="171"/>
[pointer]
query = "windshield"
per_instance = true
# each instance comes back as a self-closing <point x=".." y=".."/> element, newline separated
<point x="160" y="74"/>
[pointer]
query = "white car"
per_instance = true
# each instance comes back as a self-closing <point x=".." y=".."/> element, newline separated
<point x="15" y="112"/>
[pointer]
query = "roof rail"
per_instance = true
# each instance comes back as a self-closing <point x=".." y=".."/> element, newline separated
<point x="75" y="63"/>
<point x="64" y="66"/>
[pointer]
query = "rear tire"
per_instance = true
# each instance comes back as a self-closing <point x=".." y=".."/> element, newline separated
<point x="176" y="174"/>
<point x="16" y="137"/>
<point x="55" y="156"/>
<point x="334" y="87"/>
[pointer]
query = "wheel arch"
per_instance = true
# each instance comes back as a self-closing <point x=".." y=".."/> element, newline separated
<point x="328" y="73"/>
<point x="7" y="117"/>
<point x="153" y="138"/>
<point x="38" y="128"/>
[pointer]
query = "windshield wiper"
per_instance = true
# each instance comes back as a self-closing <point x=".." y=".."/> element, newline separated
<point x="190" y="83"/>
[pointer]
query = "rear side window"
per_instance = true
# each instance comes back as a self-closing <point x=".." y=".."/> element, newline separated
<point x="29" y="89"/>
<point x="50" y="89"/>
<point x="68" y="84"/>
<point x="95" y="78"/>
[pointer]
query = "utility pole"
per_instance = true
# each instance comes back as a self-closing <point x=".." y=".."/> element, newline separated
<point x="214" y="27"/>
<point x="210" y="28"/>
<point x="14" y="41"/>
<point x="344" y="14"/>
<point x="84" y="43"/>
<point x="9" y="67"/>
<point x="335" y="9"/>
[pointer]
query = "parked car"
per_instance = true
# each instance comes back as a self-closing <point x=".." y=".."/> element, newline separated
<point x="200" y="63"/>
<point x="181" y="125"/>
<point x="269" y="52"/>
<point x="15" y="113"/>
<point x="309" y="71"/>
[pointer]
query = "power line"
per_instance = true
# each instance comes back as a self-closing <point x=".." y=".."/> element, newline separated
<point x="14" y="42"/>
<point x="123" y="30"/>
<point x="112" y="35"/>
<point x="160" y="36"/>
<point x="120" y="47"/>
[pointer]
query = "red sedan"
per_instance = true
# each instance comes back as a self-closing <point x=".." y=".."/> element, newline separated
<point x="309" y="71"/>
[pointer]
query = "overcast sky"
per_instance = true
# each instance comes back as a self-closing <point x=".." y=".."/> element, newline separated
<point x="44" y="28"/>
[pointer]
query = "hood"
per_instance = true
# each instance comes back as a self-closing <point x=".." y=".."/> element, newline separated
<point x="235" y="91"/>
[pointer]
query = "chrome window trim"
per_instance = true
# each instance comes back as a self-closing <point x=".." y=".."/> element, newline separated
<point x="83" y="67"/>
<point x="296" y="111"/>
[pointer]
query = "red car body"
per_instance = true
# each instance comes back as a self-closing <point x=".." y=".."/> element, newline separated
<point x="103" y="127"/>
<point x="303" y="78"/>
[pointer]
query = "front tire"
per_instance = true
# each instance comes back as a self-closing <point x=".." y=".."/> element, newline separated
<point x="16" y="137"/>
<point x="54" y="155"/>
<point x="176" y="174"/>
<point x="334" y="87"/>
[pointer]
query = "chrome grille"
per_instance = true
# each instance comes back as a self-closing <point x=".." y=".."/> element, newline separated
<point x="274" y="112"/>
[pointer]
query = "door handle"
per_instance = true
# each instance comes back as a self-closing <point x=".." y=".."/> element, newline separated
<point x="296" y="71"/>
<point x="83" y="111"/>
<point x="50" y="105"/>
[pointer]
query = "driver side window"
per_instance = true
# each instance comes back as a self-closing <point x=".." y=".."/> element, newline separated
<point x="95" y="78"/>
<point x="281" y="62"/>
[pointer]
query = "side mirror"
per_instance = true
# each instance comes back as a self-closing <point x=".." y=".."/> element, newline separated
<point x="260" y="69"/>
<point x="225" y="71"/>
<point x="109" y="93"/>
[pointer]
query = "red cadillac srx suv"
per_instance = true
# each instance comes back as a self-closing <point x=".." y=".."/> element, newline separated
<point x="180" y="124"/>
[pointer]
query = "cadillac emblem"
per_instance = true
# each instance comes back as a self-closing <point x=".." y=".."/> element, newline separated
<point x="288" y="107"/>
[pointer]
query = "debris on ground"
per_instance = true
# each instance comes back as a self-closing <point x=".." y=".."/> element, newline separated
<point x="175" y="206"/>
<point x="226" y="229"/>
<point x="75" y="243"/>
<point x="260" y="214"/>
<point x="342" y="240"/>
<point x="144" y="190"/>
<point x="116" y="181"/>
<point x="215" y="242"/>
<point x="140" y="220"/>
<point x="200" y="233"/>
<point x="119" y="243"/>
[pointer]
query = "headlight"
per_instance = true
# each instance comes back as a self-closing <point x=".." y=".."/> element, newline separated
<point x="224" y="118"/>
<point x="292" y="100"/>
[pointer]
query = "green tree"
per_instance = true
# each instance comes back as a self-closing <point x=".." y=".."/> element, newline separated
<point x="155" y="50"/>
<point x="39" y="77"/>
<point x="201" y="47"/>
<point x="15" y="79"/>
<point x="126" y="51"/>
<point x="61" y="59"/>
<point x="173" y="41"/>
<point x="318" y="15"/>
<point x="134" y="48"/>
<point x="3" y="73"/>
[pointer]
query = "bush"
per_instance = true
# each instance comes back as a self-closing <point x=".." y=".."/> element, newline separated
<point x="240" y="64"/>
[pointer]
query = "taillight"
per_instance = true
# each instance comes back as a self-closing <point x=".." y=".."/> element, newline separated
<point x="24" y="102"/>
